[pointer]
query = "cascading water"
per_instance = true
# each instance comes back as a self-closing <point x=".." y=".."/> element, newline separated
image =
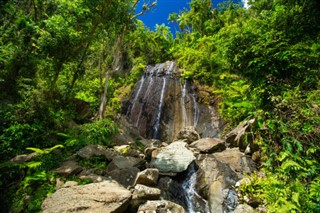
<point x="183" y="104"/>
<point x="161" y="105"/>
<point x="157" y="125"/>
<point x="194" y="202"/>
<point x="196" y="108"/>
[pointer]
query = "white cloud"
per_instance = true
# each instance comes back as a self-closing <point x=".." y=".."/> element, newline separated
<point x="245" y="3"/>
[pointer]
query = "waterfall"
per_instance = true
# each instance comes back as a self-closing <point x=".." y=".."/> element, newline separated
<point x="158" y="119"/>
<point x="183" y="103"/>
<point x="161" y="105"/>
<point x="137" y="95"/>
<point x="194" y="202"/>
<point x="147" y="93"/>
<point x="195" y="108"/>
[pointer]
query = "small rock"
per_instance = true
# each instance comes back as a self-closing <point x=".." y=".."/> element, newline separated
<point x="242" y="182"/>
<point x="59" y="183"/>
<point x="121" y="149"/>
<point x="243" y="208"/>
<point x="70" y="184"/>
<point x="160" y="206"/>
<point x="147" y="177"/>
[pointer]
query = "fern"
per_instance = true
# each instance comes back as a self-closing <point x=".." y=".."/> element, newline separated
<point x="45" y="151"/>
<point x="315" y="190"/>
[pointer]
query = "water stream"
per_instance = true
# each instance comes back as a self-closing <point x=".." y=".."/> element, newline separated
<point x="157" y="125"/>
<point x="194" y="203"/>
<point x="183" y="104"/>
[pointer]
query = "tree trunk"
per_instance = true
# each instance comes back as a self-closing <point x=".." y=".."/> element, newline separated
<point x="103" y="98"/>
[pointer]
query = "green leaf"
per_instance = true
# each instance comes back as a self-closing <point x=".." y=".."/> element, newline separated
<point x="33" y="164"/>
<point x="290" y="164"/>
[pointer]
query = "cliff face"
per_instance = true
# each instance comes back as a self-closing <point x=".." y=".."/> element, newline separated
<point x="162" y="104"/>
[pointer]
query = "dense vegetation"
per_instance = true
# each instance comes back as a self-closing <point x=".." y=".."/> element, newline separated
<point x="262" y="62"/>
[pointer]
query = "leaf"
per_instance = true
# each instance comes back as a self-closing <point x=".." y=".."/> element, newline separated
<point x="33" y="164"/>
<point x="39" y="151"/>
<point x="291" y="164"/>
<point x="243" y="104"/>
<point x="283" y="156"/>
<point x="295" y="198"/>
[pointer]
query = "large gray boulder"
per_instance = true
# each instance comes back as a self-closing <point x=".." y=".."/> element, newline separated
<point x="107" y="196"/>
<point x="173" y="158"/>
<point x="217" y="177"/>
<point x="90" y="151"/>
<point x="124" y="169"/>
<point x="238" y="161"/>
<point x="125" y="176"/>
<point x="213" y="178"/>
<point x="142" y="194"/>
<point x="209" y="145"/>
<point x="160" y="206"/>
<point x="147" y="177"/>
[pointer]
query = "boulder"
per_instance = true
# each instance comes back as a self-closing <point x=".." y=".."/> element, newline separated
<point x="24" y="158"/>
<point x="236" y="138"/>
<point x="213" y="179"/>
<point x="147" y="177"/>
<point x="174" y="158"/>
<point x="68" y="168"/>
<point x="125" y="176"/>
<point x="238" y="161"/>
<point x="142" y="194"/>
<point x="160" y="206"/>
<point x="188" y="134"/>
<point x="107" y="196"/>
<point x="210" y="169"/>
<point x="121" y="162"/>
<point x="216" y="197"/>
<point x="209" y="145"/>
<point x="91" y="151"/>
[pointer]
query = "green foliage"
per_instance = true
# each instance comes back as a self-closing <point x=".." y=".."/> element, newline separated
<point x="94" y="162"/>
<point x="98" y="132"/>
<point x="263" y="63"/>
<point x="37" y="181"/>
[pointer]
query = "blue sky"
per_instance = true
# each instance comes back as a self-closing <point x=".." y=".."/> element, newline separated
<point x="161" y="12"/>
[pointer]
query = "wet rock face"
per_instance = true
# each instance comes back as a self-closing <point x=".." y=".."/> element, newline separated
<point x="162" y="104"/>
